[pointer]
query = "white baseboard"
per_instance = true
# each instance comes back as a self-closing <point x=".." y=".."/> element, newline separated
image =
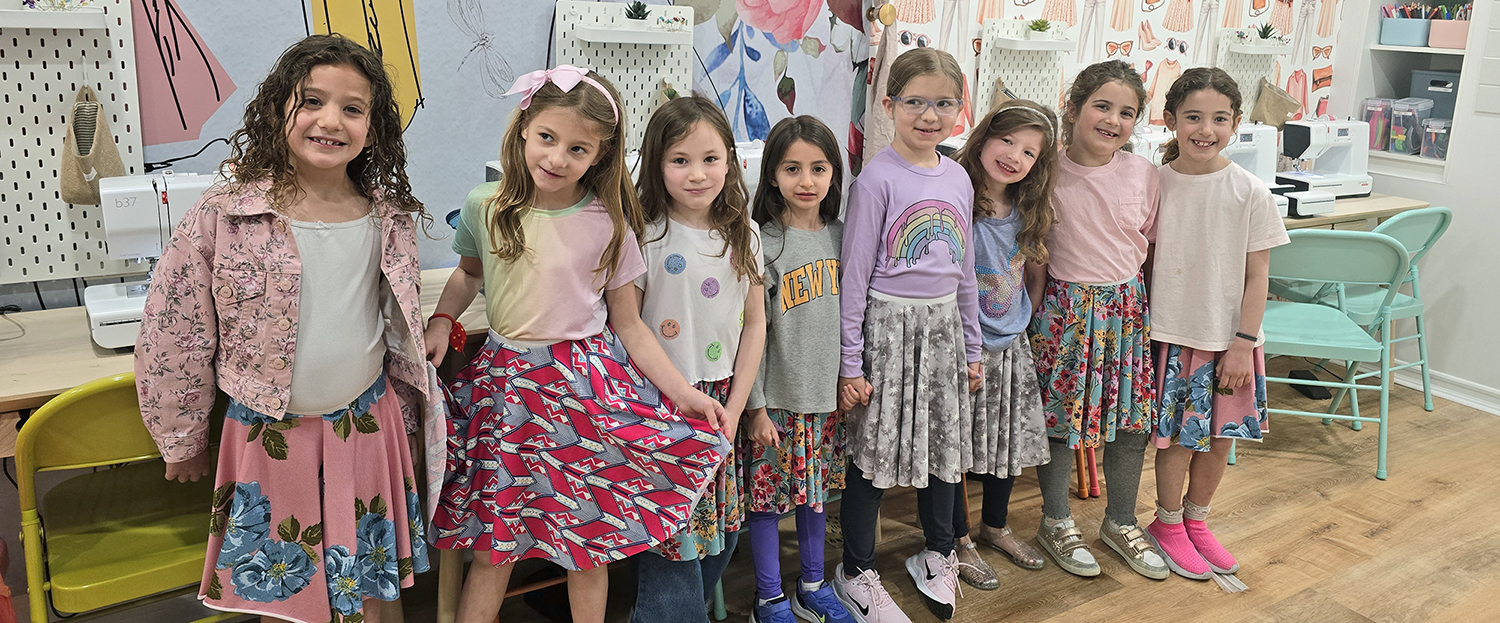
<point x="1447" y="387"/>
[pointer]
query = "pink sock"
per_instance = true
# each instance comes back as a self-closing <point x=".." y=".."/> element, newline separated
<point x="1174" y="543"/>
<point x="1208" y="547"/>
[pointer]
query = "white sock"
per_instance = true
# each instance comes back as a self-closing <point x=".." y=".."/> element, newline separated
<point x="762" y="602"/>
<point x="808" y="587"/>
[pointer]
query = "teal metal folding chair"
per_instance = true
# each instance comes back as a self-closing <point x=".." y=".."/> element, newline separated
<point x="1315" y="331"/>
<point x="1418" y="231"/>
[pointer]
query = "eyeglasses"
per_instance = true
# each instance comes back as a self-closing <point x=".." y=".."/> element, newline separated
<point x="917" y="106"/>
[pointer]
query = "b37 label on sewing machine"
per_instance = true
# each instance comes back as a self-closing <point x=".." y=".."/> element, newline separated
<point x="125" y="202"/>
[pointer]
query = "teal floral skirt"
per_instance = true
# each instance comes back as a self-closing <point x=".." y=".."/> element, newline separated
<point x="314" y="515"/>
<point x="1192" y="407"/>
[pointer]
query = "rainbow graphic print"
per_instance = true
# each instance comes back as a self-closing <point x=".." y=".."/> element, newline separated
<point x="921" y="224"/>
<point x="998" y="289"/>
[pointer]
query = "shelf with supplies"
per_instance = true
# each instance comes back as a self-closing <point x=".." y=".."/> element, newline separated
<point x="605" y="34"/>
<point x="1408" y="166"/>
<point x="1268" y="50"/>
<point x="1039" y="45"/>
<point x="1412" y="49"/>
<point x="82" y="18"/>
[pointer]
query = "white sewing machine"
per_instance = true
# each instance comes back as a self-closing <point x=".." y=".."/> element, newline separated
<point x="139" y="214"/>
<point x="1150" y="141"/>
<point x="1341" y="154"/>
<point x="1255" y="149"/>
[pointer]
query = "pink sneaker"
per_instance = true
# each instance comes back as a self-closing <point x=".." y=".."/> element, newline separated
<point x="1173" y="542"/>
<point x="936" y="577"/>
<point x="1218" y="558"/>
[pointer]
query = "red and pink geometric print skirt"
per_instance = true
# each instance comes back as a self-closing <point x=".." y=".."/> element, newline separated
<point x="566" y="452"/>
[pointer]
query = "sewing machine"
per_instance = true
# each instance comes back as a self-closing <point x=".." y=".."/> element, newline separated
<point x="1255" y="149"/>
<point x="1340" y="151"/>
<point x="139" y="212"/>
<point x="1150" y="141"/>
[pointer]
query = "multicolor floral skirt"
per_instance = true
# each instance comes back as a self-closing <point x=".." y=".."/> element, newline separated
<point x="799" y="471"/>
<point x="1093" y="360"/>
<point x="1193" y="407"/>
<point x="919" y="421"/>
<point x="720" y="510"/>
<point x="566" y="452"/>
<point x="311" y="516"/>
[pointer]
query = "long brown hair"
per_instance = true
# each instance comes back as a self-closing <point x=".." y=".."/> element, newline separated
<point x="607" y="179"/>
<point x="258" y="151"/>
<point x="1089" y="80"/>
<point x="1195" y="80"/>
<point x="1032" y="196"/>
<point x="728" y="215"/>
<point x="770" y="205"/>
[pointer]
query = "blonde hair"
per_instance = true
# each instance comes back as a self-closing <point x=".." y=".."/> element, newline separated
<point x="1032" y="195"/>
<point x="924" y="62"/>
<point x="607" y="178"/>
<point x="728" y="215"/>
<point x="1091" y="79"/>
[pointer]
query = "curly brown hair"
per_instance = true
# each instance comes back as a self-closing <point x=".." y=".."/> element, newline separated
<point x="607" y="179"/>
<point x="729" y="213"/>
<point x="259" y="150"/>
<point x="1032" y="196"/>
<point x="1195" y="80"/>
<point x="1089" y="80"/>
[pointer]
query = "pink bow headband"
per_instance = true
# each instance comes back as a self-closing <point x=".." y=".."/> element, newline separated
<point x="565" y="77"/>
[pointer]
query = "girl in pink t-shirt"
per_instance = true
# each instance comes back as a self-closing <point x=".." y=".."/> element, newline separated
<point x="1219" y="223"/>
<point x="1091" y="331"/>
<point x="561" y="447"/>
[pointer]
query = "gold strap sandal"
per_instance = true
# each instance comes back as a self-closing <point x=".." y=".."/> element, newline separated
<point x="972" y="569"/>
<point x="1020" y="552"/>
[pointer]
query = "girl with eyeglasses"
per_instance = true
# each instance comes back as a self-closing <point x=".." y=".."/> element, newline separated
<point x="910" y="337"/>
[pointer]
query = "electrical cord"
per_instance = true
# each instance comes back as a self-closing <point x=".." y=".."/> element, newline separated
<point x="154" y="166"/>
<point x="10" y="309"/>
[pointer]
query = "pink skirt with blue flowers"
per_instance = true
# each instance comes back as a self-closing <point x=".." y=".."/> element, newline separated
<point x="313" y="515"/>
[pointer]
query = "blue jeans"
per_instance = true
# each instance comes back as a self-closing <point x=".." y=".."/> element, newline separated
<point x="664" y="589"/>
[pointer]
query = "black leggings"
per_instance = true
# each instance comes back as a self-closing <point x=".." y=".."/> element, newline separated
<point x="996" y="503"/>
<point x="859" y="510"/>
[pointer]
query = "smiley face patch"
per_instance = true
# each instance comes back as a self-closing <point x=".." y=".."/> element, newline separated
<point x="669" y="329"/>
<point x="714" y="351"/>
<point x="675" y="264"/>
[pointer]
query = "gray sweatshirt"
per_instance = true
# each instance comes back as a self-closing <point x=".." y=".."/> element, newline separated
<point x="800" y="371"/>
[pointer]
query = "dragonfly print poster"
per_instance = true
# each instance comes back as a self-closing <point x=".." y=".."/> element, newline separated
<point x="1160" y="38"/>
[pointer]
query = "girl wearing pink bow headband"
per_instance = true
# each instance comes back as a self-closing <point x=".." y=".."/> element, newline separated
<point x="561" y="446"/>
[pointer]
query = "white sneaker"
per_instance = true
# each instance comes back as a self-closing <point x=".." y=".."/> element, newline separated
<point x="936" y="577"/>
<point x="865" y="598"/>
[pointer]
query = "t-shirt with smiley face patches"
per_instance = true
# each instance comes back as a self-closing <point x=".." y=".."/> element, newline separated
<point x="693" y="302"/>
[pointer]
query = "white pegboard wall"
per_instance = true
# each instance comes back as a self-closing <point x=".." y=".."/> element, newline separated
<point x="635" y="69"/>
<point x="1034" y="75"/>
<point x="1246" y="69"/>
<point x="40" y="72"/>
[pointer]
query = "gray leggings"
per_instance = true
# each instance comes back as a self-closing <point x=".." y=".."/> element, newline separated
<point x="1122" y="477"/>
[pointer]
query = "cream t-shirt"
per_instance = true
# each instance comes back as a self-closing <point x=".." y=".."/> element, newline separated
<point x="340" y="350"/>
<point x="692" y="300"/>
<point x="1207" y="224"/>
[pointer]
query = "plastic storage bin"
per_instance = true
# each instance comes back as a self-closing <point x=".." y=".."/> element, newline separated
<point x="1377" y="113"/>
<point x="1448" y="33"/>
<point x="1404" y="31"/>
<point x="1435" y="138"/>
<point x="1439" y="86"/>
<point x="1407" y="116"/>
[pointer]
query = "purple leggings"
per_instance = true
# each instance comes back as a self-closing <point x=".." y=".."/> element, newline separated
<point x="765" y="548"/>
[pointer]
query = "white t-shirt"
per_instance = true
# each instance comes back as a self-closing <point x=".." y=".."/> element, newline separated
<point x="692" y="300"/>
<point x="1206" y="226"/>
<point x="340" y="350"/>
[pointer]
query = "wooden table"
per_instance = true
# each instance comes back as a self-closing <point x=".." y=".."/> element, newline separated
<point x="1355" y="209"/>
<point x="57" y="353"/>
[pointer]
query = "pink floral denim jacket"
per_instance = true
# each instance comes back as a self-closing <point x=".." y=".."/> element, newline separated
<point x="222" y="311"/>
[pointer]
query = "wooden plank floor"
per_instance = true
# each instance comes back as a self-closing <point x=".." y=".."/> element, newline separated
<point x="1319" y="539"/>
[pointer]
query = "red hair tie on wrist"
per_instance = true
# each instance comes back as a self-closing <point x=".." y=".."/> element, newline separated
<point x="457" y="337"/>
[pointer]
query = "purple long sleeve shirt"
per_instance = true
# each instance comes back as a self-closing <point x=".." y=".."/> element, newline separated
<point x="906" y="234"/>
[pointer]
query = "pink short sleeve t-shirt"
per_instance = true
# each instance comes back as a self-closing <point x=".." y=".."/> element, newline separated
<point x="1106" y="219"/>
<point x="552" y="293"/>
<point x="1208" y="224"/>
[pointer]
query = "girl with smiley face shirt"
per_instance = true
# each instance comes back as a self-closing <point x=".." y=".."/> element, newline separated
<point x="701" y="293"/>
